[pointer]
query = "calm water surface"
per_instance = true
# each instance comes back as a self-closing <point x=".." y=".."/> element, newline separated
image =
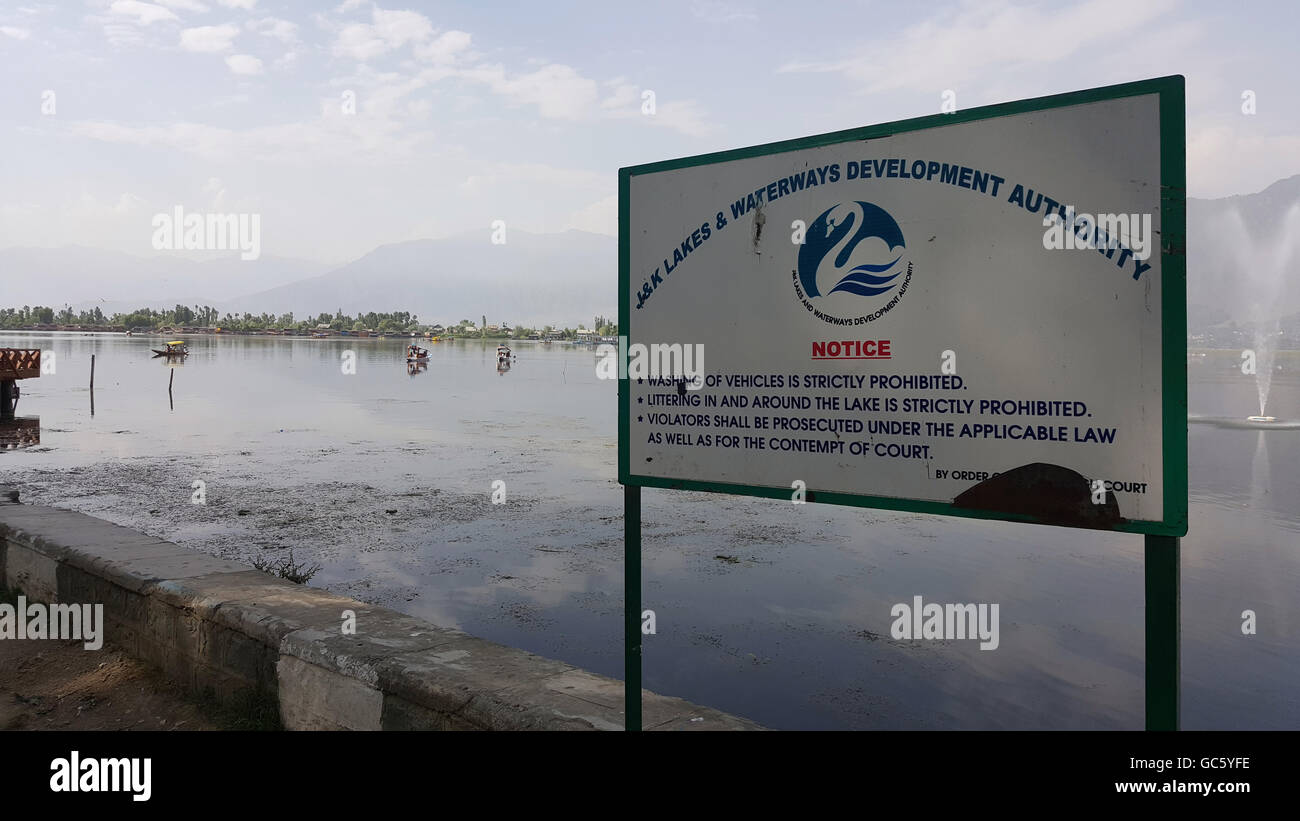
<point x="769" y="610"/>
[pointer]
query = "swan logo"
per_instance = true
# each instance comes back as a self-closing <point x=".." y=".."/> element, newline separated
<point x="853" y="248"/>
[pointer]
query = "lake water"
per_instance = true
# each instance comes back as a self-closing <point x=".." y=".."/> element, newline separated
<point x="777" y="612"/>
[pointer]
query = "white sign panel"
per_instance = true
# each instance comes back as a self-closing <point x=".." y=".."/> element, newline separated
<point x="963" y="315"/>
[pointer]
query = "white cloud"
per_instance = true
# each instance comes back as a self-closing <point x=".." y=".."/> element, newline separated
<point x="122" y="34"/>
<point x="626" y="96"/>
<point x="282" y="30"/>
<point x="359" y="42"/>
<point x="209" y="39"/>
<point x="446" y="48"/>
<point x="184" y="5"/>
<point x="626" y="101"/>
<point x="244" y="64"/>
<point x="389" y="30"/>
<point x="973" y="43"/>
<point x="601" y="217"/>
<point x="126" y="203"/>
<point x="222" y="102"/>
<point x="144" y="13"/>
<point x="402" y="27"/>
<point x="238" y="4"/>
<point x="82" y="218"/>
<point x="15" y="32"/>
<point x="558" y="91"/>
<point x="685" y="116"/>
<point x="330" y="138"/>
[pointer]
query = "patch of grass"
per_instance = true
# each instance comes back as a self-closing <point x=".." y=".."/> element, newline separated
<point x="249" y="710"/>
<point x="294" y="571"/>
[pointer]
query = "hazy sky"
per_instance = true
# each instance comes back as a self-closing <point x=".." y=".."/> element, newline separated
<point x="467" y="113"/>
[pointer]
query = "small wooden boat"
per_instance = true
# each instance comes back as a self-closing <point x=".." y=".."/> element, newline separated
<point x="504" y="355"/>
<point x="415" y="353"/>
<point x="172" y="349"/>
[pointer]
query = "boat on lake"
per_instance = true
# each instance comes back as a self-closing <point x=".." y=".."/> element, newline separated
<point x="414" y="353"/>
<point x="504" y="355"/>
<point x="172" y="349"/>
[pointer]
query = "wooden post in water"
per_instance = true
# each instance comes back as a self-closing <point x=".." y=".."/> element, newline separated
<point x="92" y="384"/>
<point x="170" y="401"/>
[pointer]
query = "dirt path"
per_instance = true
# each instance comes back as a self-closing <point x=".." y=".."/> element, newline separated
<point x="59" y="685"/>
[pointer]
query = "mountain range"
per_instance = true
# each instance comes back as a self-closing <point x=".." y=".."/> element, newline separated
<point x="1242" y="254"/>
<point x="533" y="279"/>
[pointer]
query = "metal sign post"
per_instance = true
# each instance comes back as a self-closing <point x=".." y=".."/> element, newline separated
<point x="1162" y="632"/>
<point x="632" y="604"/>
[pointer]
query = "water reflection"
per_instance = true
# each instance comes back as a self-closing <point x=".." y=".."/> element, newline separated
<point x="777" y="612"/>
<point x="1259" y="472"/>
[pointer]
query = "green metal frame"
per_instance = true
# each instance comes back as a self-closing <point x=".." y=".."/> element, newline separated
<point x="1162" y="551"/>
<point x="1173" y="268"/>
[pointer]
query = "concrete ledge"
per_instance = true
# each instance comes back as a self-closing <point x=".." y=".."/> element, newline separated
<point x="221" y="628"/>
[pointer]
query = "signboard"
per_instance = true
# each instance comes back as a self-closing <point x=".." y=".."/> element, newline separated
<point x="978" y="314"/>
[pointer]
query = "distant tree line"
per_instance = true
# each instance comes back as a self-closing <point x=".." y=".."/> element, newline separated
<point x="203" y="316"/>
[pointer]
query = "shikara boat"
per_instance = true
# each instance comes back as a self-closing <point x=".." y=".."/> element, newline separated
<point x="415" y="353"/>
<point x="172" y="349"/>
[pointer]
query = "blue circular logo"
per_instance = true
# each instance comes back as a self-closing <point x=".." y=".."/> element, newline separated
<point x="833" y="247"/>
